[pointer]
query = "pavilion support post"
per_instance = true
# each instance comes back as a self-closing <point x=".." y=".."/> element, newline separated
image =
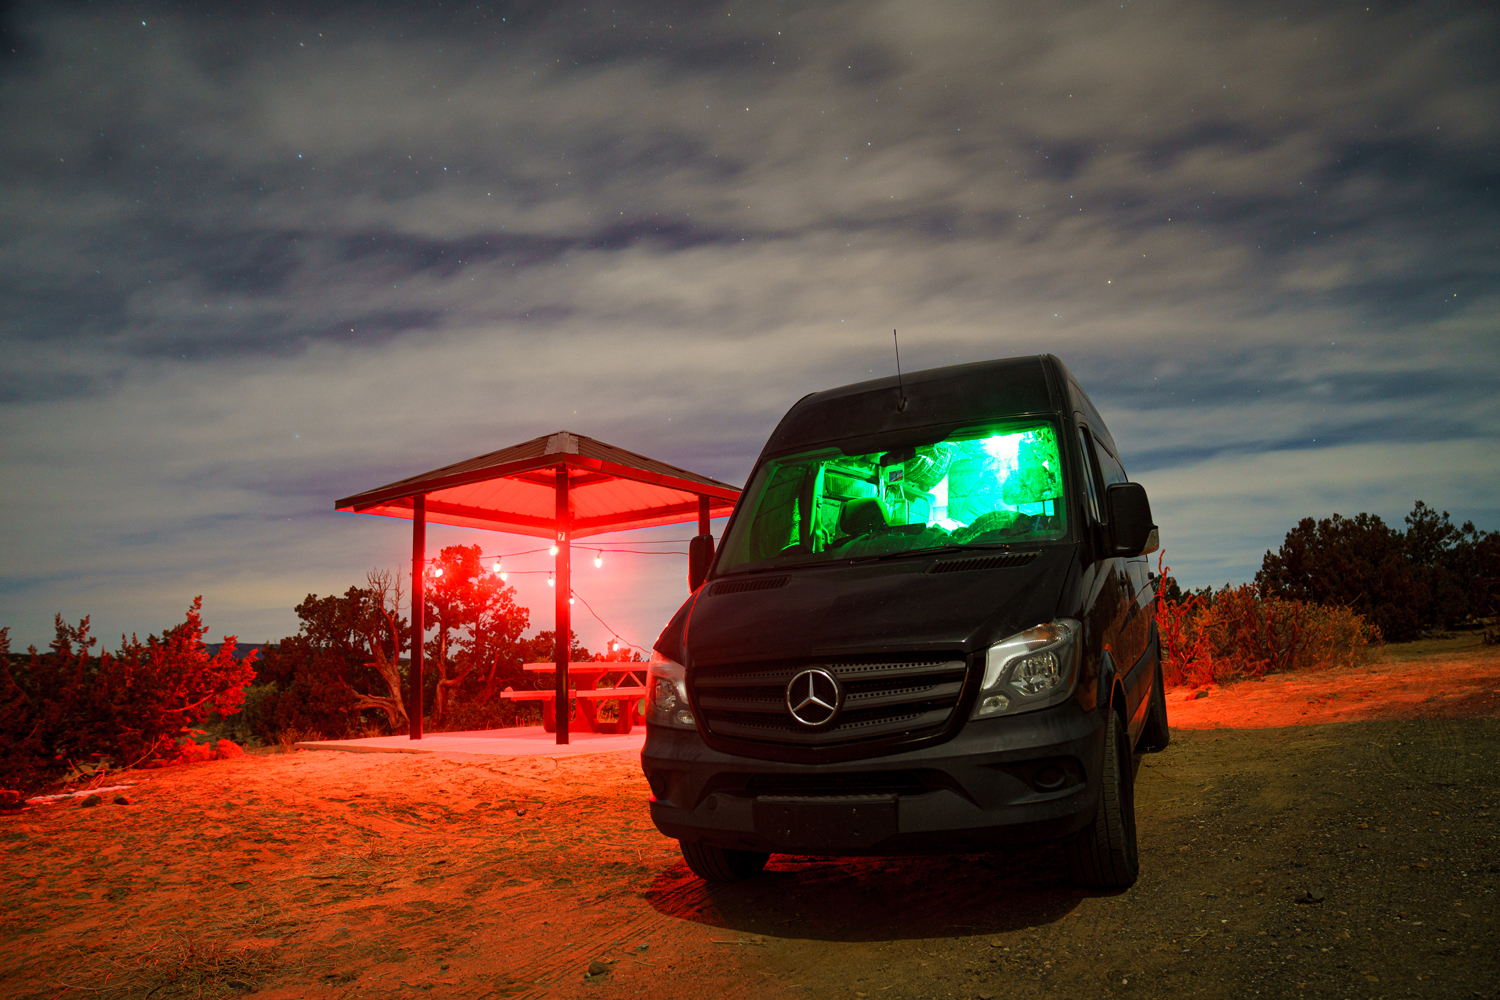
<point x="703" y="514"/>
<point x="563" y="647"/>
<point x="418" y="606"/>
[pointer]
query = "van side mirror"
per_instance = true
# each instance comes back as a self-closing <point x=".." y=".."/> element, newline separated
<point x="1130" y="520"/>
<point x="700" y="554"/>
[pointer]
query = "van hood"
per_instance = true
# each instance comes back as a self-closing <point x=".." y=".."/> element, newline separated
<point x="903" y="605"/>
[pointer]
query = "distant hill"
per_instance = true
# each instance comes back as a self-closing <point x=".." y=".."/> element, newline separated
<point x="241" y="649"/>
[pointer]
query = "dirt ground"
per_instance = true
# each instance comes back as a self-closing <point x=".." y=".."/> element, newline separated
<point x="335" y="875"/>
<point x="1435" y="679"/>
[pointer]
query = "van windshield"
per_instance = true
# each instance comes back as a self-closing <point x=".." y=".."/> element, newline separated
<point x="992" y="485"/>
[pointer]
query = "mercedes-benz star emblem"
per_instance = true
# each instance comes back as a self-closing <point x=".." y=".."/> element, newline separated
<point x="813" y="697"/>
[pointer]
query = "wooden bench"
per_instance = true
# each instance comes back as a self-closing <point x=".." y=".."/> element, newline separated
<point x="585" y="707"/>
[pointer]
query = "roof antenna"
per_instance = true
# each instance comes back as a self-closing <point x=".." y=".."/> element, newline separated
<point x="900" y="388"/>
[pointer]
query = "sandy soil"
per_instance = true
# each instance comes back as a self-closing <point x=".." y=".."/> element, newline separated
<point x="370" y="875"/>
<point x="1456" y="678"/>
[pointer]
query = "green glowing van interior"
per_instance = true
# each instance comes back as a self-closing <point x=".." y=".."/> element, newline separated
<point x="978" y="486"/>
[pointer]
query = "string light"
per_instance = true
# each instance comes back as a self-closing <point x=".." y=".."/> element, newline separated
<point x="599" y="552"/>
<point x="435" y="571"/>
<point x="610" y="630"/>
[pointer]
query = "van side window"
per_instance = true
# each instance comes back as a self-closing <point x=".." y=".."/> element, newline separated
<point x="1113" y="471"/>
<point x="1090" y="473"/>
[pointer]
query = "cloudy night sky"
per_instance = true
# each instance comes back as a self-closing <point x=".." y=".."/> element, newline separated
<point x="257" y="258"/>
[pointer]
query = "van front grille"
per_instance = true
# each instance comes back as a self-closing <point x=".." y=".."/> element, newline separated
<point x="885" y="698"/>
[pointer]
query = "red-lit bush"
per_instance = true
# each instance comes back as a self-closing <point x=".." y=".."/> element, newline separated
<point x="192" y="752"/>
<point x="1239" y="632"/>
<point x="67" y="707"/>
<point x="348" y="662"/>
<point x="343" y="666"/>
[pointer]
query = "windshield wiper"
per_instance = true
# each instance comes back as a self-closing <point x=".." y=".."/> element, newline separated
<point x="954" y="547"/>
<point x="780" y="564"/>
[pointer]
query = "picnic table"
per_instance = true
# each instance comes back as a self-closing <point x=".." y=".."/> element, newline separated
<point x="594" y="683"/>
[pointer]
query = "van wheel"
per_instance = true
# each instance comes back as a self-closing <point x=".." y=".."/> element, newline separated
<point x="1102" y="855"/>
<point x="722" y="864"/>
<point x="1155" y="735"/>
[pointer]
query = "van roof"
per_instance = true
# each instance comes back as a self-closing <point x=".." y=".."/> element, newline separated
<point x="935" y="397"/>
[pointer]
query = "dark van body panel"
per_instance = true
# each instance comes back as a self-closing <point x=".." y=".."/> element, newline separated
<point x="976" y="792"/>
<point x="877" y="607"/>
<point x="871" y="610"/>
<point x="953" y="783"/>
<point x="938" y="397"/>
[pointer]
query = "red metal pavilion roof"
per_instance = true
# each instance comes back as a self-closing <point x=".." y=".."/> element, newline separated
<point x="514" y="489"/>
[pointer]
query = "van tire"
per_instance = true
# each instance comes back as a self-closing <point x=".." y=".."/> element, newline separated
<point x="1103" y="854"/>
<point x="722" y="864"/>
<point x="1155" y="735"/>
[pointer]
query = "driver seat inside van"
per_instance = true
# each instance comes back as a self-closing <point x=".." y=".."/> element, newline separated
<point x="861" y="515"/>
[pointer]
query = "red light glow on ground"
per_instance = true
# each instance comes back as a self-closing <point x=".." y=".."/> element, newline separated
<point x="1463" y="685"/>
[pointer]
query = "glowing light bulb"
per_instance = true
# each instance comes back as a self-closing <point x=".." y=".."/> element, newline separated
<point x="502" y="576"/>
<point x="572" y="600"/>
<point x="551" y="580"/>
<point x="437" y="571"/>
<point x="554" y="550"/>
<point x="497" y="571"/>
<point x="598" y="560"/>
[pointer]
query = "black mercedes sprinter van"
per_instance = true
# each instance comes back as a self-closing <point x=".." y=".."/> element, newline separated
<point x="928" y="628"/>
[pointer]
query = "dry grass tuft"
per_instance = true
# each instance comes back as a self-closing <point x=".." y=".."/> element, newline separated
<point x="180" y="965"/>
<point x="291" y="736"/>
<point x="1239" y="633"/>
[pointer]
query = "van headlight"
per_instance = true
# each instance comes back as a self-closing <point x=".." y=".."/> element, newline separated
<point x="666" y="694"/>
<point x="1031" y="669"/>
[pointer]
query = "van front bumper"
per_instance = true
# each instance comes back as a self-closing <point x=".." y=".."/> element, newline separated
<point x="999" y="782"/>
